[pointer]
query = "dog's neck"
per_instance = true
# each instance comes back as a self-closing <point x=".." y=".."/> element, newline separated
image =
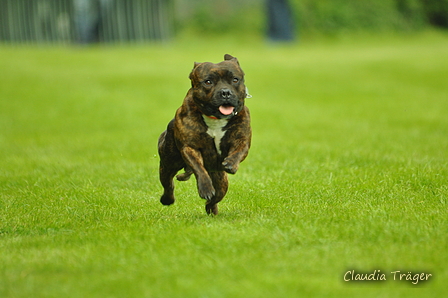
<point x="215" y="129"/>
<point x="211" y="117"/>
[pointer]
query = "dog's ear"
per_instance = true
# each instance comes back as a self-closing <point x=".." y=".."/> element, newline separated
<point x="228" y="57"/>
<point x="196" y="64"/>
<point x="191" y="76"/>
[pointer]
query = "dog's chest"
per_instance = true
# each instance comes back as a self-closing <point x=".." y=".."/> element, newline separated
<point x="215" y="130"/>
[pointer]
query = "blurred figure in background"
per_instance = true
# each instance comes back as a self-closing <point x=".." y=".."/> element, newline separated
<point x="88" y="19"/>
<point x="280" y="21"/>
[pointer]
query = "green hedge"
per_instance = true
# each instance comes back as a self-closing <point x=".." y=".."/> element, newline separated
<point x="436" y="12"/>
<point x="318" y="16"/>
<point x="330" y="16"/>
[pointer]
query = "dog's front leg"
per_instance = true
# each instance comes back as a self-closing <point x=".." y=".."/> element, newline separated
<point x="195" y="161"/>
<point x="237" y="154"/>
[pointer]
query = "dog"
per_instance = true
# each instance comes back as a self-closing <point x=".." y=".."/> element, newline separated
<point x="210" y="134"/>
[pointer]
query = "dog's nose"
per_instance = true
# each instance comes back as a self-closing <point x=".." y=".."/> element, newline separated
<point x="226" y="93"/>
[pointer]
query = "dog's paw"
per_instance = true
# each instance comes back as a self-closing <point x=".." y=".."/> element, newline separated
<point x="211" y="208"/>
<point x="167" y="199"/>
<point x="230" y="166"/>
<point x="183" y="177"/>
<point x="206" y="189"/>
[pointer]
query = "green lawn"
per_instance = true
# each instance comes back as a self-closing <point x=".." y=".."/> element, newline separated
<point x="348" y="171"/>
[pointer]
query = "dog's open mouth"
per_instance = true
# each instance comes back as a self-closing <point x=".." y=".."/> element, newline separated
<point x="226" y="109"/>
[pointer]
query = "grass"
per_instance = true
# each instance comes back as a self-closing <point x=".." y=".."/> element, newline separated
<point x="348" y="171"/>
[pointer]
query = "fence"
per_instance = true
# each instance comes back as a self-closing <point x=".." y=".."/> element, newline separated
<point x="85" y="20"/>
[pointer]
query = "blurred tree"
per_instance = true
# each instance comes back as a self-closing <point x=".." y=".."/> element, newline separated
<point x="436" y="12"/>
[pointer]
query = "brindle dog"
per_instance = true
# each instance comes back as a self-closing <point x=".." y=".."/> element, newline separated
<point x="210" y="134"/>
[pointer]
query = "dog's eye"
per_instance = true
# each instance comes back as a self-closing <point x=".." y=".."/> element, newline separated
<point x="236" y="80"/>
<point x="208" y="82"/>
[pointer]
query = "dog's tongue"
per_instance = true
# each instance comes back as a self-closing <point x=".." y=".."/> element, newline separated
<point x="226" y="109"/>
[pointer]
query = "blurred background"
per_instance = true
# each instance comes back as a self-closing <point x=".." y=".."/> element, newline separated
<point x="117" y="21"/>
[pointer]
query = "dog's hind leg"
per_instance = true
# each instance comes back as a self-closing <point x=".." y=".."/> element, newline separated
<point x="170" y="163"/>
<point x="220" y="183"/>
<point x="166" y="178"/>
<point x="185" y="176"/>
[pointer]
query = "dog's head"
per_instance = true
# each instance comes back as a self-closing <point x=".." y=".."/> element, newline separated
<point x="218" y="89"/>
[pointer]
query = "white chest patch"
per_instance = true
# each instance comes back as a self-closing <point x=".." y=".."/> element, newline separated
<point x="215" y="127"/>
